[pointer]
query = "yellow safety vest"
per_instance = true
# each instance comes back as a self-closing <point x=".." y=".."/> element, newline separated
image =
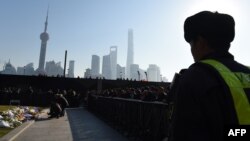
<point x="237" y="82"/>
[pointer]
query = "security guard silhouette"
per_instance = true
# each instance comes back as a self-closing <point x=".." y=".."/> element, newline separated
<point x="214" y="92"/>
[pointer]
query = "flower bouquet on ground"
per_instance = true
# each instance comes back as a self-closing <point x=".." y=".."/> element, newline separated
<point x="15" y="116"/>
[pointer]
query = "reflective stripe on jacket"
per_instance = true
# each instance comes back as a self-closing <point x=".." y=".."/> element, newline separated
<point x="237" y="82"/>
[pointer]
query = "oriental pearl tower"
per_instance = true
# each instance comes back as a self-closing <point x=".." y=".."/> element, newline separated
<point x="44" y="38"/>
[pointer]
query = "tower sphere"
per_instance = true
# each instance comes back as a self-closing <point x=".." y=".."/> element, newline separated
<point x="44" y="36"/>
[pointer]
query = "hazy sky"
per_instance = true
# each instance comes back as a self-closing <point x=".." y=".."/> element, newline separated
<point x="87" y="27"/>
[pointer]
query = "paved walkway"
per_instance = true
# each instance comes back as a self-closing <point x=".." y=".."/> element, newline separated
<point x="77" y="125"/>
<point x="86" y="127"/>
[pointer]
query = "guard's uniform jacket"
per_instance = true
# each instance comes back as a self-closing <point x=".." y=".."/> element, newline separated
<point x="206" y="99"/>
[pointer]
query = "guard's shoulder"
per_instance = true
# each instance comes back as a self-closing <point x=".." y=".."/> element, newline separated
<point x="200" y="73"/>
<point x="201" y="68"/>
<point x="198" y="68"/>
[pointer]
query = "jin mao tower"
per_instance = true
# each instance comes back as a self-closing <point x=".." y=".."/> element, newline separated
<point x="130" y="53"/>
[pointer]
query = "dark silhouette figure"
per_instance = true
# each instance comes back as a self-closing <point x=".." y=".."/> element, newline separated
<point x="55" y="110"/>
<point x="62" y="101"/>
<point x="206" y="99"/>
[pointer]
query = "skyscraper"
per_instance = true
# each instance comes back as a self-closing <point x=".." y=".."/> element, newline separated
<point x="95" y="65"/>
<point x="113" y="61"/>
<point x="130" y="53"/>
<point x="134" y="75"/>
<point x="54" y="69"/>
<point x="87" y="73"/>
<point x="44" y="38"/>
<point x="9" y="69"/>
<point x="71" y="69"/>
<point x="120" y="72"/>
<point x="106" y="69"/>
<point x="153" y="73"/>
<point x="26" y="70"/>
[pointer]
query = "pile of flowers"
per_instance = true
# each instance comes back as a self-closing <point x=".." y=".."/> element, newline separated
<point x="16" y="116"/>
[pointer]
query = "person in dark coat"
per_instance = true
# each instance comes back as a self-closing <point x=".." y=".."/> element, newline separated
<point x="203" y="101"/>
<point x="55" y="110"/>
<point x="62" y="101"/>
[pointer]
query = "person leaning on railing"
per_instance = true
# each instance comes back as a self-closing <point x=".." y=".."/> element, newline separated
<point x="214" y="91"/>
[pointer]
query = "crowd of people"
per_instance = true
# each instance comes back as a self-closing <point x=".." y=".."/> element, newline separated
<point x="38" y="97"/>
<point x="59" y="99"/>
<point x="146" y="93"/>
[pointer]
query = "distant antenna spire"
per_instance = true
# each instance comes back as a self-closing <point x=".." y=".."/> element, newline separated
<point x="46" y="22"/>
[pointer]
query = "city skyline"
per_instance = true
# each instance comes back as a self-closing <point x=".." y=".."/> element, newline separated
<point x="85" y="28"/>
<point x="54" y="69"/>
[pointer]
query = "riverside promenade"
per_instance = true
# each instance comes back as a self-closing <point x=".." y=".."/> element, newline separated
<point x="77" y="125"/>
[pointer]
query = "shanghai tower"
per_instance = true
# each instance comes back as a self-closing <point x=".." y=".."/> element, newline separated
<point x="130" y="53"/>
<point x="44" y="38"/>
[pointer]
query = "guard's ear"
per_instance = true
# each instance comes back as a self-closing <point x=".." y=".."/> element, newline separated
<point x="201" y="41"/>
<point x="200" y="48"/>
